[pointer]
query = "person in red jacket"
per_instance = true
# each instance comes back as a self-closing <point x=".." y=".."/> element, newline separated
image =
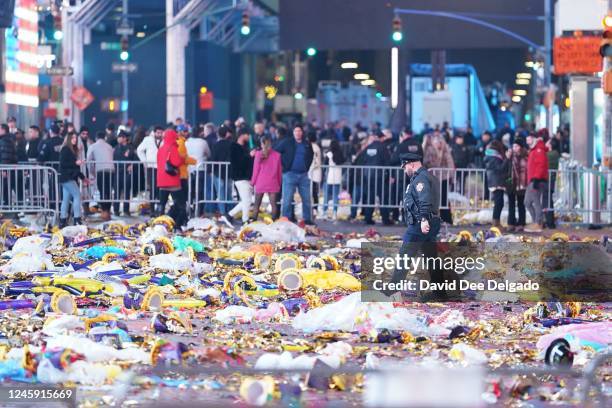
<point x="537" y="177"/>
<point x="169" y="161"/>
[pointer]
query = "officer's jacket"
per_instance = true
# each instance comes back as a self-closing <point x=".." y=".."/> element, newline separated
<point x="422" y="196"/>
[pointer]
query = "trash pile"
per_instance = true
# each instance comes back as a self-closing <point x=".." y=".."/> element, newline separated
<point x="139" y="312"/>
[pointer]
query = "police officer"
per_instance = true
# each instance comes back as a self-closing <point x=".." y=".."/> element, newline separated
<point x="421" y="201"/>
<point x="408" y="143"/>
<point x="421" y="212"/>
<point x="374" y="179"/>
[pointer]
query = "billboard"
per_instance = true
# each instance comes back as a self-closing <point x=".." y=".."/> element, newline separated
<point x="21" y="75"/>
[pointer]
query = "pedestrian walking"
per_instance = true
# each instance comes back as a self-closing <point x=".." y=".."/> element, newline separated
<point x="69" y="176"/>
<point x="169" y="161"/>
<point x="437" y="155"/>
<point x="315" y="172"/>
<point x="296" y="157"/>
<point x="497" y="164"/>
<point x="222" y="183"/>
<point x="100" y="163"/>
<point x="198" y="148"/>
<point x="554" y="155"/>
<point x="242" y="170"/>
<point x="267" y="176"/>
<point x="537" y="176"/>
<point x="124" y="156"/>
<point x="421" y="200"/>
<point x="147" y="154"/>
<point x="333" y="178"/>
<point x="517" y="186"/>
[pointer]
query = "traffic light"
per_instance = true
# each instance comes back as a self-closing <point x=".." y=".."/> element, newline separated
<point x="58" y="34"/>
<point x="397" y="29"/>
<point x="311" y="51"/>
<point x="605" y="48"/>
<point x="124" y="55"/>
<point x="246" y="24"/>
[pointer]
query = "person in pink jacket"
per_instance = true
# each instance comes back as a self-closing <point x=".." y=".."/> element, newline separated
<point x="267" y="175"/>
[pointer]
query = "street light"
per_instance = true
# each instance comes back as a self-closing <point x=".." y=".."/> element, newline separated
<point x="349" y="65"/>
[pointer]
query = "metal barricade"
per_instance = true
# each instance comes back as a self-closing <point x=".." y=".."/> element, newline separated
<point x="211" y="188"/>
<point x="27" y="188"/>
<point x="120" y="184"/>
<point x="384" y="186"/>
<point x="579" y="194"/>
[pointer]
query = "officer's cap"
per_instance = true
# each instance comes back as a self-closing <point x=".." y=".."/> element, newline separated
<point x="406" y="158"/>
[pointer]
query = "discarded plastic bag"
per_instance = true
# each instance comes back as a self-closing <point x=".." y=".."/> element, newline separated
<point x="170" y="262"/>
<point x="276" y="232"/>
<point x="234" y="313"/>
<point x="467" y="354"/>
<point x="350" y="313"/>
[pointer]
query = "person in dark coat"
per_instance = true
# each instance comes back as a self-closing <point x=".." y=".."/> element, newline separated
<point x="221" y="152"/>
<point x="32" y="143"/>
<point x="124" y="152"/>
<point x="8" y="155"/>
<point x="497" y="164"/>
<point x="462" y="156"/>
<point x="374" y="155"/>
<point x="242" y="170"/>
<point x="69" y="175"/>
<point x="296" y="158"/>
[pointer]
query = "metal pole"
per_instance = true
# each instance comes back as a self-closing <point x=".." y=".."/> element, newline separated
<point x="548" y="61"/>
<point x="124" y="75"/>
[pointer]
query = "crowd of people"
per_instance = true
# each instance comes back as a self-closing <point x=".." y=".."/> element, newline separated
<point x="275" y="160"/>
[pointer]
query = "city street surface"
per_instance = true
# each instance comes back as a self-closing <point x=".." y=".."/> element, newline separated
<point x="306" y="203"/>
<point x="445" y="334"/>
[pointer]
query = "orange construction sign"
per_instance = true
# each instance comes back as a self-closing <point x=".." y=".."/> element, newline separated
<point x="577" y="55"/>
<point x="81" y="97"/>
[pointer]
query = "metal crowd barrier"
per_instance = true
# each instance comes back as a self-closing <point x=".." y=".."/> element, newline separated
<point x="29" y="188"/>
<point x="384" y="186"/>
<point x="580" y="193"/>
<point x="211" y="187"/>
<point x="571" y="191"/>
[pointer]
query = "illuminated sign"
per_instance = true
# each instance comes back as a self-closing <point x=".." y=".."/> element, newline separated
<point x="22" y="59"/>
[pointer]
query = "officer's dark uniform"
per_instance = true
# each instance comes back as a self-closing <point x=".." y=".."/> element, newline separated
<point x="410" y="145"/>
<point x="421" y="201"/>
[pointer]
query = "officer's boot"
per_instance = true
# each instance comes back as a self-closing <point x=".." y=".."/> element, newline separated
<point x="63" y="222"/>
<point x="78" y="221"/>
